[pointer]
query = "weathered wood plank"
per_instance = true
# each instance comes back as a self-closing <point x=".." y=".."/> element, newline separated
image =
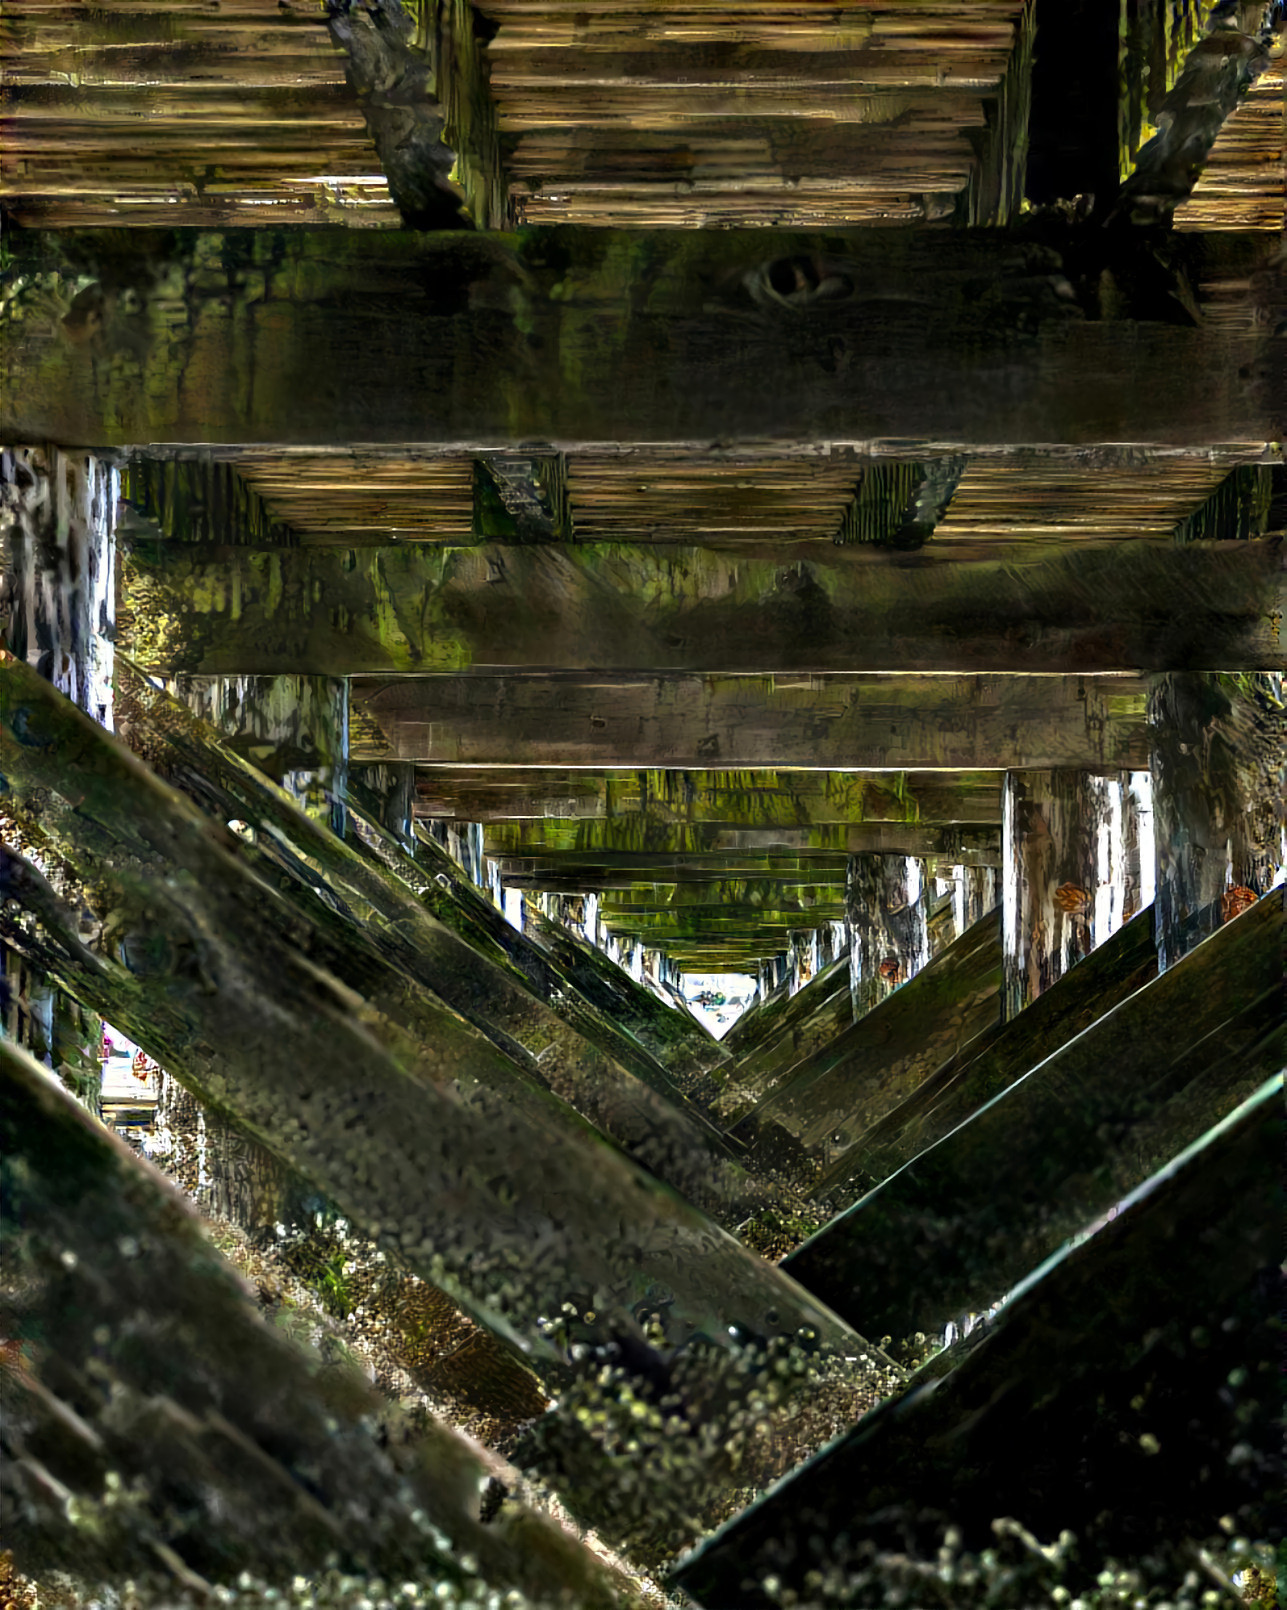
<point x="797" y="1120"/>
<point x="372" y="933"/>
<point x="1128" y="1392"/>
<point x="952" y="1231"/>
<point x="509" y="1206"/>
<point x="239" y="1452"/>
<point x="396" y="610"/>
<point x="652" y="850"/>
<point x="992" y="1062"/>
<point x="599" y="336"/>
<point x="744" y="722"/>
<point x="688" y="1051"/>
<point x="754" y="799"/>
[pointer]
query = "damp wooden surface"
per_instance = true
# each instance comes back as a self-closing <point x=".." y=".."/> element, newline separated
<point x="965" y="1083"/>
<point x="796" y="1120"/>
<point x="952" y="1231"/>
<point x="328" y="337"/>
<point x="750" y="799"/>
<point x="1056" y="1416"/>
<point x="365" y="908"/>
<point x="658" y="608"/>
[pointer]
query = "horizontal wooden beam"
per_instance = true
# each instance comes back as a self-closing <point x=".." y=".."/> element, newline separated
<point x="569" y="337"/>
<point x="654" y="607"/>
<point x="658" y="849"/>
<point x="747" y="799"/>
<point x="748" y="721"/>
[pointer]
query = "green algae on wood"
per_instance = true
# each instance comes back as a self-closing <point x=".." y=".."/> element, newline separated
<point x="659" y="607"/>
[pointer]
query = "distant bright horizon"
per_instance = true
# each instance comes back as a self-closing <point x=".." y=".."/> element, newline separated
<point x="718" y="999"/>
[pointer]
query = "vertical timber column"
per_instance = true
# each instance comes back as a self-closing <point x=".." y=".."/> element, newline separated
<point x="295" y="730"/>
<point x="886" y="909"/>
<point x="57" y="612"/>
<point x="1219" y="763"/>
<point x="393" y="785"/>
<point x="1072" y="872"/>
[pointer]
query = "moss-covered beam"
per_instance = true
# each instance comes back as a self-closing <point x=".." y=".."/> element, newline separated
<point x="659" y="607"/>
<point x="571" y="337"/>
<point x="892" y="721"/>
<point x="200" y="498"/>
<point x="666" y="851"/>
<point x="952" y="1231"/>
<point x="1128" y="1392"/>
<point x="746" y="799"/>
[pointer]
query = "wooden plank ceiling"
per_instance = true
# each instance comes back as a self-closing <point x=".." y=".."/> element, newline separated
<point x="751" y="113"/>
<point x="188" y="113"/>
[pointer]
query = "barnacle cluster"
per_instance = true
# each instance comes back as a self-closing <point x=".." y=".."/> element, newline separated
<point x="1018" y="1572"/>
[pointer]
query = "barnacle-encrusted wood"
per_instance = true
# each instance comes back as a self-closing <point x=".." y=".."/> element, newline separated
<point x="1107" y="1398"/>
<point x="155" y="1425"/>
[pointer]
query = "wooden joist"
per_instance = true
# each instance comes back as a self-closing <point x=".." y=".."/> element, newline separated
<point x="747" y="721"/>
<point x="753" y="800"/>
<point x="374" y="611"/>
<point x="952" y="1231"/>
<point x="330" y="337"/>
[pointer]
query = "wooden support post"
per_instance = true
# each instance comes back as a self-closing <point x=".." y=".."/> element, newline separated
<point x="1129" y="1392"/>
<point x="886" y="909"/>
<point x="57" y="611"/>
<point x="1219" y="758"/>
<point x="953" y="1231"/>
<point x="294" y="729"/>
<point x="1071" y="874"/>
<point x="373" y="933"/>
<point x="417" y="1127"/>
